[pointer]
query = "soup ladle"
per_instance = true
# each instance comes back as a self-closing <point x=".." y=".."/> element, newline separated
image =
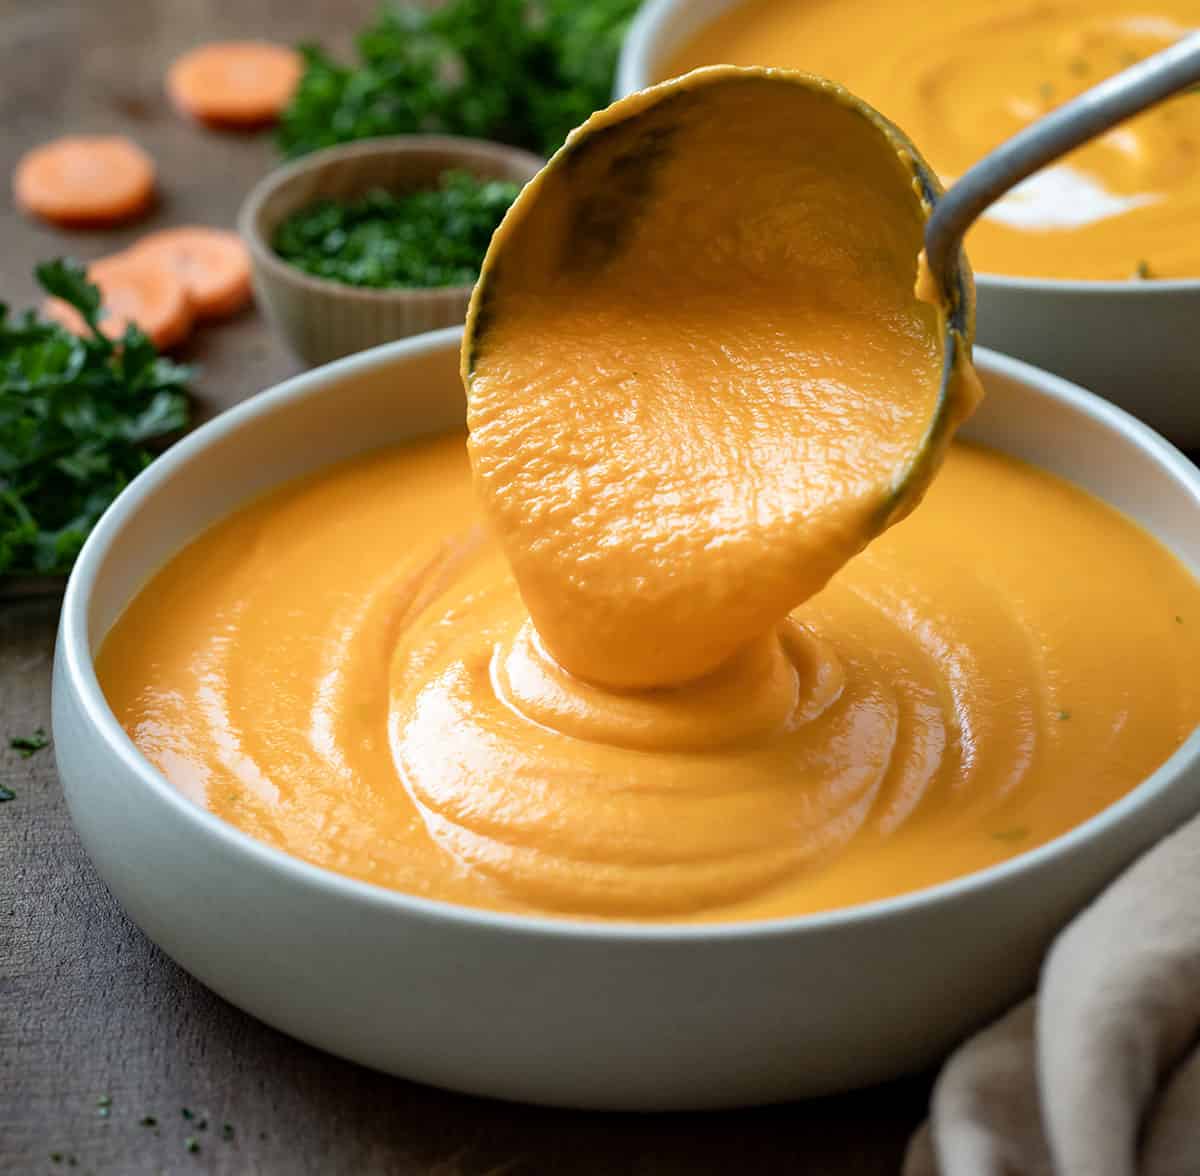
<point x="685" y="336"/>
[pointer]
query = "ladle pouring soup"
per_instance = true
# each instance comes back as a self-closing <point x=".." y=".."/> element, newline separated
<point x="713" y="620"/>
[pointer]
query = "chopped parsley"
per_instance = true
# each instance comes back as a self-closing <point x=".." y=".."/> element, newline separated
<point x="27" y="745"/>
<point x="6" y="794"/>
<point x="428" y="238"/>
<point x="1016" y="833"/>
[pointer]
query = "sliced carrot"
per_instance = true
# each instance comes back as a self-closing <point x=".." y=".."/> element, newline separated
<point x="235" y="83"/>
<point x="133" y="289"/>
<point x="213" y="265"/>
<point x="85" y="180"/>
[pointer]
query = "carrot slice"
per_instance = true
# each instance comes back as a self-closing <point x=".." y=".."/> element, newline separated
<point x="235" y="83"/>
<point x="133" y="289"/>
<point x="213" y="265"/>
<point x="85" y="180"/>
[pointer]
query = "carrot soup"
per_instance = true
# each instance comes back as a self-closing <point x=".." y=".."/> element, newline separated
<point x="688" y="630"/>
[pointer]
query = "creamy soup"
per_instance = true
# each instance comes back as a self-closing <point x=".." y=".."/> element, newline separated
<point x="961" y="78"/>
<point x="687" y="630"/>
<point x="345" y="671"/>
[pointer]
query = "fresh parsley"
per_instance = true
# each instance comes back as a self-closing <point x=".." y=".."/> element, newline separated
<point x="522" y="72"/>
<point x="76" y="417"/>
<point x="27" y="745"/>
<point x="1016" y="833"/>
<point x="429" y="238"/>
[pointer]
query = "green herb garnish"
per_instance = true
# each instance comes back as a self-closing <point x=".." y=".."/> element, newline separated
<point x="6" y="794"/>
<point x="430" y="238"/>
<point x="76" y="415"/>
<point x="1017" y="833"/>
<point x="191" y="1144"/>
<point x="186" y="1113"/>
<point x="27" y="745"/>
<point x="1141" y="272"/>
<point x="226" y="1130"/>
<point x="1064" y="715"/>
<point x="518" y="71"/>
<point x="148" y="1121"/>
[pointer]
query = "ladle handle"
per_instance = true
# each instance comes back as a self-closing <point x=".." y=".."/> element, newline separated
<point x="1093" y="112"/>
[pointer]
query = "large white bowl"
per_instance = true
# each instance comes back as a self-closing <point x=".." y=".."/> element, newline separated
<point x="1132" y="342"/>
<point x="556" y="1011"/>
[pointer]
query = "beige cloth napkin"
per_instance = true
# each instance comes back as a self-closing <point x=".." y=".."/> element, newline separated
<point x="1099" y="1073"/>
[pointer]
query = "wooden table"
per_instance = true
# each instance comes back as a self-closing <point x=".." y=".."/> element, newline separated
<point x="89" y="1009"/>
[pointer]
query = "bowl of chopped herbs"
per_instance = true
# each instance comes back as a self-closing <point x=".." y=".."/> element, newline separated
<point x="371" y="241"/>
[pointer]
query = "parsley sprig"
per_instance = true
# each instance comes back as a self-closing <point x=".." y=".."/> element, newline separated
<point x="29" y="745"/>
<point x="76" y="417"/>
<point x="522" y="72"/>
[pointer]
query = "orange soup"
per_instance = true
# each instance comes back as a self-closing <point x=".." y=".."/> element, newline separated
<point x="344" y="671"/>
<point x="687" y="630"/>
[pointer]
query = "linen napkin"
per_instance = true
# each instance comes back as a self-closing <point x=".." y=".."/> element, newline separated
<point x="1099" y="1073"/>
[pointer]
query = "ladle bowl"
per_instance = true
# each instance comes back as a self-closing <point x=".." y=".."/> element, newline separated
<point x="709" y="262"/>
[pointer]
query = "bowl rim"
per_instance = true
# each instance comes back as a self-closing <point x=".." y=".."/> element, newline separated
<point x="75" y="662"/>
<point x="633" y="73"/>
<point x="416" y="144"/>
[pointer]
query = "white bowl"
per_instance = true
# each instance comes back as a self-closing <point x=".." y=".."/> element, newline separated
<point x="1132" y="342"/>
<point x="615" y="1015"/>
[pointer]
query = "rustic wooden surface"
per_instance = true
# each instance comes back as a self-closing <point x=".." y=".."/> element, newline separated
<point x="89" y="1009"/>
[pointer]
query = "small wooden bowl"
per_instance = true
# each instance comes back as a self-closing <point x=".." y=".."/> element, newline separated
<point x="321" y="319"/>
